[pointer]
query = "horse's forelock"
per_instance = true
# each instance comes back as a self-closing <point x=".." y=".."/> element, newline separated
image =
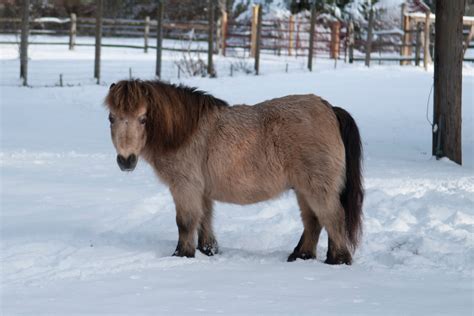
<point x="127" y="96"/>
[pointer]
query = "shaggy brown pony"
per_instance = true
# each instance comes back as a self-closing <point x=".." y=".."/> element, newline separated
<point x="205" y="150"/>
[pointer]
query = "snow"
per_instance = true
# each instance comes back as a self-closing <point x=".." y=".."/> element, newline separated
<point x="52" y="20"/>
<point x="389" y="4"/>
<point x="78" y="236"/>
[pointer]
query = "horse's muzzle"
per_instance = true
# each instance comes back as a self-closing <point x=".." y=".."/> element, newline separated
<point x="127" y="164"/>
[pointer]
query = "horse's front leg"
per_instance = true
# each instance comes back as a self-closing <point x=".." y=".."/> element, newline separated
<point x="189" y="212"/>
<point x="207" y="243"/>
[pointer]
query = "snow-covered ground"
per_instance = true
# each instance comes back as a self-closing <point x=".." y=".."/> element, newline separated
<point x="78" y="236"/>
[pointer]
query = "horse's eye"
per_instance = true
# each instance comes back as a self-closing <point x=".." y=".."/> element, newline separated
<point x="142" y="120"/>
<point x="111" y="119"/>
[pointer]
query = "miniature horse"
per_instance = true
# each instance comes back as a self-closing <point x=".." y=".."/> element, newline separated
<point x="205" y="150"/>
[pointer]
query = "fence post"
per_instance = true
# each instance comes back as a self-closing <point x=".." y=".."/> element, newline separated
<point x="146" y="33"/>
<point x="418" y="44"/>
<point x="223" y="31"/>
<point x="368" y="47"/>
<point x="159" y="37"/>
<point x="351" y="41"/>
<point x="311" y="37"/>
<point x="335" y="40"/>
<point x="25" y="20"/>
<point x="406" y="39"/>
<point x="291" y="27"/>
<point x="253" y="35"/>
<point x="72" y="31"/>
<point x="98" y="39"/>
<point x="297" y="35"/>
<point x="426" y="49"/>
<point x="257" y="40"/>
<point x="210" y="38"/>
<point x="346" y="45"/>
<point x="402" y="27"/>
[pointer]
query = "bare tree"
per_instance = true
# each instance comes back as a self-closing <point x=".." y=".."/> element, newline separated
<point x="448" y="79"/>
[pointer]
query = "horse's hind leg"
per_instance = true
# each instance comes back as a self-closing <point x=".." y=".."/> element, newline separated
<point x="332" y="217"/>
<point x="207" y="243"/>
<point x="310" y="236"/>
<point x="337" y="255"/>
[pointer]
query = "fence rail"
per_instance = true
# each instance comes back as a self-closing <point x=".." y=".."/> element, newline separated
<point x="295" y="35"/>
<point x="288" y="36"/>
<point x="278" y="36"/>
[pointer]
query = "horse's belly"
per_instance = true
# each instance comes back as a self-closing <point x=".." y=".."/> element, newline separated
<point x="242" y="190"/>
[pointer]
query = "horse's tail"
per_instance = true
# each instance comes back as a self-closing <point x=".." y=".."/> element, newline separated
<point x="352" y="196"/>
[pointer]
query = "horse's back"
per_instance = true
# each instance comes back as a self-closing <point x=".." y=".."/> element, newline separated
<point x="306" y="131"/>
<point x="256" y="152"/>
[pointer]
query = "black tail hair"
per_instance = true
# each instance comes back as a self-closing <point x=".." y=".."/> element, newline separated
<point x="352" y="196"/>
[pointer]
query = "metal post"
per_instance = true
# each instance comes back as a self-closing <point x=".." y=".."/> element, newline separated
<point x="98" y="38"/>
<point x="25" y="20"/>
<point x="159" y="37"/>
<point x="257" y="43"/>
<point x="210" y="38"/>
<point x="311" y="36"/>
<point x="368" y="47"/>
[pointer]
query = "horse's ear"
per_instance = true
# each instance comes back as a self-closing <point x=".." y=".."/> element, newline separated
<point x="111" y="86"/>
<point x="146" y="89"/>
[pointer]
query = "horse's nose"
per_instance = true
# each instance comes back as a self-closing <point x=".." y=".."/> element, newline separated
<point x="127" y="164"/>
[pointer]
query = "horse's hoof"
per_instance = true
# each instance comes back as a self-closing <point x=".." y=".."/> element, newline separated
<point x="300" y="255"/>
<point x="209" y="250"/>
<point x="182" y="253"/>
<point x="341" y="258"/>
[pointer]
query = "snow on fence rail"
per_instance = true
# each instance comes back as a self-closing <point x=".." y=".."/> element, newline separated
<point x="415" y="41"/>
<point x="295" y="35"/>
<point x="79" y="26"/>
<point x="288" y="36"/>
<point x="284" y="36"/>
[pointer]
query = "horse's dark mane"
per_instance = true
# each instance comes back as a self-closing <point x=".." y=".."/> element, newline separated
<point x="207" y="99"/>
<point x="173" y="111"/>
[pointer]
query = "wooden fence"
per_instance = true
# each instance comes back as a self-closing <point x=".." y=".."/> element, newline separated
<point x="79" y="26"/>
<point x="278" y="36"/>
<point x="414" y="41"/>
<point x="295" y="35"/>
<point x="288" y="37"/>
